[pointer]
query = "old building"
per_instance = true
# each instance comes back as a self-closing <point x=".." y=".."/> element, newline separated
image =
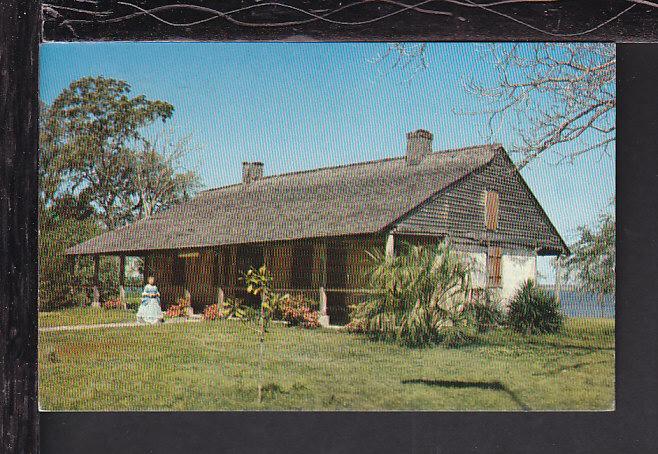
<point x="312" y="228"/>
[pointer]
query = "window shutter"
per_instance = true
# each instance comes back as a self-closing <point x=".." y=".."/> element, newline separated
<point x="492" y="202"/>
<point x="494" y="269"/>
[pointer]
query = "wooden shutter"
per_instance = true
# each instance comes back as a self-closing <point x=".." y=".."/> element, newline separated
<point x="491" y="203"/>
<point x="494" y="255"/>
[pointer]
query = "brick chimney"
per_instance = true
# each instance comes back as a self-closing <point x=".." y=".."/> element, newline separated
<point x="419" y="144"/>
<point x="251" y="171"/>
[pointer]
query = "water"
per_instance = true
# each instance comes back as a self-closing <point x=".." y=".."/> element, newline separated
<point x="583" y="304"/>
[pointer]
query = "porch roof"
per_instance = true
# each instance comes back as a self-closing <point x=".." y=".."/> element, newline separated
<point x="343" y="200"/>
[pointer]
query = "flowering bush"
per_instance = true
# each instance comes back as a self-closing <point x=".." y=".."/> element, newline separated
<point x="113" y="303"/>
<point x="297" y="312"/>
<point x="356" y="326"/>
<point x="178" y="309"/>
<point x="212" y="312"/>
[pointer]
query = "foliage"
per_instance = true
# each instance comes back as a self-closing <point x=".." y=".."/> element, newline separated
<point x="594" y="256"/>
<point x="258" y="281"/>
<point x="179" y="309"/>
<point x="297" y="312"/>
<point x="486" y="312"/>
<point x="534" y="311"/>
<point x="233" y="308"/>
<point x="113" y="303"/>
<point x="94" y="127"/>
<point x="57" y="287"/>
<point x="92" y="160"/>
<point x="418" y="293"/>
<point x="212" y="312"/>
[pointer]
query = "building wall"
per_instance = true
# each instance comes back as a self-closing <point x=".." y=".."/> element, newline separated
<point x="459" y="211"/>
<point x="516" y="269"/>
<point x="517" y="266"/>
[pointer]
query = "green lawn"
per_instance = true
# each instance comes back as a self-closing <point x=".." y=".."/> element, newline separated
<point x="84" y="316"/>
<point x="212" y="366"/>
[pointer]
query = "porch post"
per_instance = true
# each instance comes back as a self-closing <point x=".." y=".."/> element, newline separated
<point x="96" y="301"/>
<point x="390" y="245"/>
<point x="122" y="278"/>
<point x="323" y="318"/>
<point x="71" y="262"/>
<point x="322" y="256"/>
<point x="219" y="275"/>
<point x="233" y="272"/>
<point x="558" y="279"/>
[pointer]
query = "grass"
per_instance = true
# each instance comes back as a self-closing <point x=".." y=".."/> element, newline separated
<point x="84" y="316"/>
<point x="213" y="366"/>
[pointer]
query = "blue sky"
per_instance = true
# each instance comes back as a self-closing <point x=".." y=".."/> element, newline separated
<point x="305" y="105"/>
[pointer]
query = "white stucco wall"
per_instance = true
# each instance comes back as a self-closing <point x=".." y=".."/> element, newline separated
<point x="515" y="270"/>
<point x="516" y="267"/>
<point x="478" y="264"/>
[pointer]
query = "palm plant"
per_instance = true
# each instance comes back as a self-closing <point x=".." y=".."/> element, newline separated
<point x="418" y="294"/>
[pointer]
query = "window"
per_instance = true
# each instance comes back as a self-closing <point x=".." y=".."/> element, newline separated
<point x="494" y="255"/>
<point x="491" y="203"/>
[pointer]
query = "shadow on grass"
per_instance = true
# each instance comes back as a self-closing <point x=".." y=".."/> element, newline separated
<point x="485" y="385"/>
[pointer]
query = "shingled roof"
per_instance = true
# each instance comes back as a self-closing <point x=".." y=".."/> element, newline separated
<point x="334" y="201"/>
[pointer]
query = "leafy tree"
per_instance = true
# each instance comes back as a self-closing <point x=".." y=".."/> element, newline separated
<point x="98" y="170"/>
<point x="57" y="287"/>
<point x="93" y="126"/>
<point x="594" y="256"/>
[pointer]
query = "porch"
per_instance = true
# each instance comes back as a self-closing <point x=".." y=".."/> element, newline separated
<point x="329" y="272"/>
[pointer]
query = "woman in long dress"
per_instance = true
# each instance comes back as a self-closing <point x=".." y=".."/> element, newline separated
<point x="149" y="311"/>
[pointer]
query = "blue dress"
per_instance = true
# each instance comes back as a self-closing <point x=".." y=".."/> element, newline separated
<point x="149" y="311"/>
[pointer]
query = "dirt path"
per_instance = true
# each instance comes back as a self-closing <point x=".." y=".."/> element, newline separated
<point x="113" y="325"/>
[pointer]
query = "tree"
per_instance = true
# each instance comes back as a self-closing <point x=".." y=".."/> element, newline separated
<point x="98" y="169"/>
<point x="157" y="182"/>
<point x="594" y="256"/>
<point x="93" y="127"/>
<point x="548" y="93"/>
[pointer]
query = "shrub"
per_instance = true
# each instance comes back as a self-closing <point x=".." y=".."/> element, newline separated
<point x="418" y="293"/>
<point x="297" y="312"/>
<point x="212" y="312"/>
<point x="179" y="309"/>
<point x="486" y="312"/>
<point x="457" y="336"/>
<point x="233" y="308"/>
<point x="534" y="311"/>
<point x="113" y="303"/>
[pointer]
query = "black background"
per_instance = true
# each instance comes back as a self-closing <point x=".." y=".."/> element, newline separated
<point x="630" y="428"/>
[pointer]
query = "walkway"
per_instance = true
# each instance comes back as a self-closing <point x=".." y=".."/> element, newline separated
<point x="168" y="321"/>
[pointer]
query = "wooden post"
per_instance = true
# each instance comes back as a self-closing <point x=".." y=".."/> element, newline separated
<point x="220" y="297"/>
<point x="233" y="271"/>
<point x="71" y="262"/>
<point x="96" y="301"/>
<point x="122" y="279"/>
<point x="558" y="278"/>
<point x="390" y="245"/>
<point x="323" y="317"/>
